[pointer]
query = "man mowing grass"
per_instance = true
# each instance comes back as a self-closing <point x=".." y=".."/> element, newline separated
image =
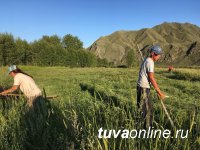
<point x="26" y="84"/>
<point x="146" y="79"/>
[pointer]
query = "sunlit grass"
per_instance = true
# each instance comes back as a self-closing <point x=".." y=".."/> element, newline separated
<point x="91" y="98"/>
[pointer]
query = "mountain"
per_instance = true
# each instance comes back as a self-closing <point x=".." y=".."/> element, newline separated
<point x="180" y="43"/>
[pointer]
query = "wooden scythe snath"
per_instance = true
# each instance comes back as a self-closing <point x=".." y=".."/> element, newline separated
<point x="140" y="52"/>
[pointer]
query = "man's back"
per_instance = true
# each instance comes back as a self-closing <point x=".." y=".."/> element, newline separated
<point x="147" y="66"/>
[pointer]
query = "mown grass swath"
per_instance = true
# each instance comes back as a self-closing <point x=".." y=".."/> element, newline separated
<point x="93" y="98"/>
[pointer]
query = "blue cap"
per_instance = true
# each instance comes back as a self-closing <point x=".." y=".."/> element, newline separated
<point x="156" y="49"/>
<point x="11" y="68"/>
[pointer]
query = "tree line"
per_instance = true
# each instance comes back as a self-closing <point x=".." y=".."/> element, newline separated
<point x="47" y="51"/>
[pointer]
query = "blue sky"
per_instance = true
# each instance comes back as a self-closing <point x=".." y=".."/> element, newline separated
<point x="90" y="19"/>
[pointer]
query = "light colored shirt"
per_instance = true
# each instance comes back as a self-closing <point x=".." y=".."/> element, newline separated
<point x="27" y="85"/>
<point x="146" y="67"/>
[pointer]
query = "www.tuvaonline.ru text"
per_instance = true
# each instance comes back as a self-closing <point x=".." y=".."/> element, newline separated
<point x="149" y="133"/>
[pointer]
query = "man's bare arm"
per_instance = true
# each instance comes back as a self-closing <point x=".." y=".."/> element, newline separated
<point x="12" y="89"/>
<point x="155" y="85"/>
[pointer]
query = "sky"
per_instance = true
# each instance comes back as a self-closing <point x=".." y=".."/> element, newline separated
<point x="90" y="19"/>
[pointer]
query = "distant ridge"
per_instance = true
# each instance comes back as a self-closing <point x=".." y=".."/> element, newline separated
<point x="180" y="42"/>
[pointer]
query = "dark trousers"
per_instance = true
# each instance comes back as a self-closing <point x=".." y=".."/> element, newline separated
<point x="145" y="106"/>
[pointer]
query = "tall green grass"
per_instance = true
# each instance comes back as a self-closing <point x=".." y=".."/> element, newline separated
<point x="92" y="98"/>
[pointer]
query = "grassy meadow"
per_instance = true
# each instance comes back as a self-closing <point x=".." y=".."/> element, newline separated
<point x="91" y="98"/>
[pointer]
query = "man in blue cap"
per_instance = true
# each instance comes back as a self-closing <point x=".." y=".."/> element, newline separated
<point x="146" y="79"/>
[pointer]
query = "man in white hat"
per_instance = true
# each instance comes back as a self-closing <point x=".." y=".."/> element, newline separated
<point x="26" y="84"/>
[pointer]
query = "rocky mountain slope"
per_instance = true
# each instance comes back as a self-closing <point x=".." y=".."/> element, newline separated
<point x="180" y="42"/>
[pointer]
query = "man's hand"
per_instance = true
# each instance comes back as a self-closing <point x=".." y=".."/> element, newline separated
<point x="161" y="95"/>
